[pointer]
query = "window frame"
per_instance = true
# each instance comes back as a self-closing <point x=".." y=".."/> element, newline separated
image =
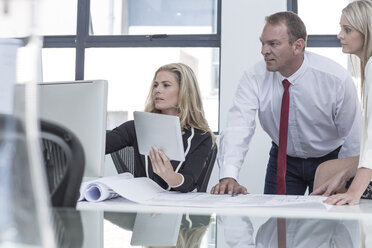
<point x="83" y="40"/>
<point x="325" y="40"/>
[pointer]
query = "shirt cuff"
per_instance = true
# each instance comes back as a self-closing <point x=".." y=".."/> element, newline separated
<point x="366" y="159"/>
<point x="183" y="180"/>
<point x="229" y="171"/>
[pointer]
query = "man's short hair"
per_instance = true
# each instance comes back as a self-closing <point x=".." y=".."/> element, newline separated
<point x="295" y="26"/>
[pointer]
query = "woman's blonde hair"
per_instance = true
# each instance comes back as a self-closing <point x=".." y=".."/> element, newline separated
<point x="190" y="105"/>
<point x="358" y="13"/>
<point x="191" y="237"/>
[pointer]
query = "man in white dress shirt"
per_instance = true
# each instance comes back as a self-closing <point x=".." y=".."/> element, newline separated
<point x="324" y="113"/>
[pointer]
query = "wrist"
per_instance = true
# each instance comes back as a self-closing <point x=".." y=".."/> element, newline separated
<point x="179" y="184"/>
<point x="174" y="179"/>
<point x="355" y="190"/>
<point x="228" y="179"/>
<point x="361" y="180"/>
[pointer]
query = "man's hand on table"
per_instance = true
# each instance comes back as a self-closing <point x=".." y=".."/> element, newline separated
<point x="229" y="186"/>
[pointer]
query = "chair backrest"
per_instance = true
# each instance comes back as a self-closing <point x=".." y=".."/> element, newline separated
<point x="64" y="162"/>
<point x="124" y="160"/>
<point x="207" y="170"/>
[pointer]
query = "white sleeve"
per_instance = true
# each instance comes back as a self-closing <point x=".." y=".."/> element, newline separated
<point x="349" y="119"/>
<point x="235" y="139"/>
<point x="366" y="152"/>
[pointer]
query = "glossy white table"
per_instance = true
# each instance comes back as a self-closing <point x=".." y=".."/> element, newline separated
<point x="236" y="226"/>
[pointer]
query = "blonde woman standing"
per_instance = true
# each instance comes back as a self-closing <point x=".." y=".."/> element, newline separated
<point x="337" y="175"/>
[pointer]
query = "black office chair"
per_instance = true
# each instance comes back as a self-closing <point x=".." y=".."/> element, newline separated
<point x="64" y="162"/>
<point x="203" y="180"/>
<point x="124" y="160"/>
<point x="62" y="154"/>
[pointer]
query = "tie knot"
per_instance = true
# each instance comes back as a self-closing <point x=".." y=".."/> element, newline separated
<point x="286" y="84"/>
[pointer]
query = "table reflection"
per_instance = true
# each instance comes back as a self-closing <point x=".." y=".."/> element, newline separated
<point x="288" y="232"/>
<point x="68" y="227"/>
<point x="162" y="229"/>
<point x="91" y="228"/>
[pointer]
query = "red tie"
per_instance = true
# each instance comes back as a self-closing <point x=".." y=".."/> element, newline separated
<point x="283" y="134"/>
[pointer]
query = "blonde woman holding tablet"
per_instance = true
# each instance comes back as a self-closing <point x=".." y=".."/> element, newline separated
<point x="174" y="91"/>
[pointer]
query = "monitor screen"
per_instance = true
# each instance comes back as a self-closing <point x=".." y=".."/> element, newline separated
<point x="81" y="107"/>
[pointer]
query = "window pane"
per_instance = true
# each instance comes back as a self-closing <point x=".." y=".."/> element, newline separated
<point x="58" y="17"/>
<point x="140" y="17"/>
<point x="321" y="17"/>
<point x="58" y="64"/>
<point x="129" y="72"/>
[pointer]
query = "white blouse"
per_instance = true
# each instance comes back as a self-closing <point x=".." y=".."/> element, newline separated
<point x="366" y="144"/>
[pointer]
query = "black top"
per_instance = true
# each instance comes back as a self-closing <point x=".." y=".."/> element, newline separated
<point x="201" y="144"/>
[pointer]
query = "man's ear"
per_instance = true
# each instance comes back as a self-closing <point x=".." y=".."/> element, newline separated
<point x="299" y="46"/>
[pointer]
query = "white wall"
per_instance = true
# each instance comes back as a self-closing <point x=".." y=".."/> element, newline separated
<point x="242" y="23"/>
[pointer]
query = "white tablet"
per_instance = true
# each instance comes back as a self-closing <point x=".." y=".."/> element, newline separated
<point x="161" y="131"/>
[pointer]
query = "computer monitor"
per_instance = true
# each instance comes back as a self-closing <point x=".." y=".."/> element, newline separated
<point x="81" y="107"/>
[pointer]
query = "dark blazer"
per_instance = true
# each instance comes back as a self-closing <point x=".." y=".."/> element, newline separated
<point x="201" y="144"/>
